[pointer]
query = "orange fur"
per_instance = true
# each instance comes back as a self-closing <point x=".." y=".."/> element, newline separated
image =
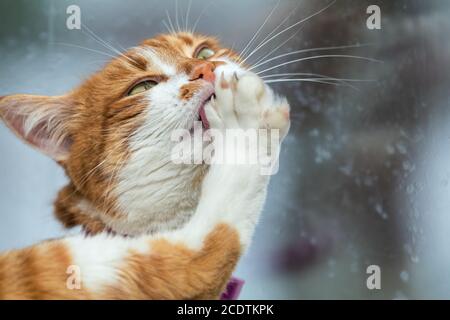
<point x="175" y="272"/>
<point x="37" y="272"/>
<point x="167" y="271"/>
<point x="98" y="124"/>
<point x="101" y="123"/>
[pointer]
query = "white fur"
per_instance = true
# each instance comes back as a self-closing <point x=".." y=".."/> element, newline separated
<point x="156" y="194"/>
<point x="100" y="257"/>
<point x="153" y="191"/>
<point x="234" y="193"/>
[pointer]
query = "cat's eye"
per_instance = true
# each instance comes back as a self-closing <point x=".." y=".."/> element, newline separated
<point x="205" y="53"/>
<point x="142" y="87"/>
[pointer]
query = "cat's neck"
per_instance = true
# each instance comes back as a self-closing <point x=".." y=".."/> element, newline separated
<point x="69" y="212"/>
<point x="73" y="209"/>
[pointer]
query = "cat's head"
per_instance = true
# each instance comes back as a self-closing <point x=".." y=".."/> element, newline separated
<point x="112" y="135"/>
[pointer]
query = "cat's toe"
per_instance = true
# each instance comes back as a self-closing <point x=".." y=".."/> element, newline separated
<point x="225" y="91"/>
<point x="250" y="89"/>
<point x="278" y="116"/>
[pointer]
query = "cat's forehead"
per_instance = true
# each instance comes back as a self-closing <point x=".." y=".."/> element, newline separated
<point x="181" y="43"/>
<point x="170" y="51"/>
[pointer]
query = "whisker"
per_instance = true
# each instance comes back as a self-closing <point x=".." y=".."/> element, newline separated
<point x="108" y="190"/>
<point x="170" y="22"/>
<point x="319" y="57"/>
<point x="307" y="50"/>
<point x="119" y="165"/>
<point x="280" y="24"/>
<point x="104" y="43"/>
<point x="85" y="178"/>
<point x="166" y="26"/>
<point x="302" y="80"/>
<point x="288" y="28"/>
<point x="91" y="172"/>
<point x="86" y="48"/>
<point x="188" y="11"/>
<point x="310" y="80"/>
<point x="194" y="28"/>
<point x="176" y="16"/>
<point x="98" y="62"/>
<point x="99" y="40"/>
<point x="249" y="44"/>
<point x="122" y="49"/>
<point x="317" y="75"/>
<point x="276" y="48"/>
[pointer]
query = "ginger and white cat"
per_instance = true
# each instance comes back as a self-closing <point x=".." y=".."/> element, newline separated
<point x="154" y="229"/>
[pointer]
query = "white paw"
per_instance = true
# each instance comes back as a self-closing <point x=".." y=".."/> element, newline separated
<point x="247" y="103"/>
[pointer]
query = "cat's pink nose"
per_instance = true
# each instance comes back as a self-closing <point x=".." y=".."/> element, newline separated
<point x="205" y="71"/>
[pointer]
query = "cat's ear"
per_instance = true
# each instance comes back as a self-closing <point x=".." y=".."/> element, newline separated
<point x="40" y="121"/>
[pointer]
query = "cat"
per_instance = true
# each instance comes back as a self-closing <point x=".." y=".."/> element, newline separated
<point x="153" y="229"/>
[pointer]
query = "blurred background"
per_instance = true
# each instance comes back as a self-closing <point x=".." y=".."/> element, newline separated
<point x="365" y="170"/>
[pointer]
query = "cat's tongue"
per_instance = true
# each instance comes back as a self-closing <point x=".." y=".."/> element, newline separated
<point x="202" y="114"/>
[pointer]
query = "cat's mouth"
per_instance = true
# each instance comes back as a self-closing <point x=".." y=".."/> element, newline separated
<point x="201" y="111"/>
<point x="202" y="114"/>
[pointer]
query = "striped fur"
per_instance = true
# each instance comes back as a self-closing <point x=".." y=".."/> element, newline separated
<point x="165" y="271"/>
<point x="153" y="229"/>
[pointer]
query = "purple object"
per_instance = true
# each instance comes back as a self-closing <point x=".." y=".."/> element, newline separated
<point x="233" y="289"/>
